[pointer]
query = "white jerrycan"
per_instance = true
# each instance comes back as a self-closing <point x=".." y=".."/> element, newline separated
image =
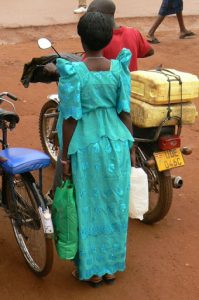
<point x="139" y="194"/>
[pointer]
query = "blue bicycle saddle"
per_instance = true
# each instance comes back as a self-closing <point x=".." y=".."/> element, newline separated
<point x="21" y="160"/>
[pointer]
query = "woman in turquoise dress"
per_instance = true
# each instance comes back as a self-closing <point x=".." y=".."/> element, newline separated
<point x="95" y="135"/>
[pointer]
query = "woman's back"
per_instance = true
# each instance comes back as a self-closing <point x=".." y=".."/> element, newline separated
<point x="95" y="99"/>
<point x="98" y="88"/>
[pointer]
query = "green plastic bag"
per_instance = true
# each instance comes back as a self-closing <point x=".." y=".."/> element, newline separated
<point x="65" y="222"/>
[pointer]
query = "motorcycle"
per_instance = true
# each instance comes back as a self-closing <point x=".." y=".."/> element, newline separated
<point x="158" y="151"/>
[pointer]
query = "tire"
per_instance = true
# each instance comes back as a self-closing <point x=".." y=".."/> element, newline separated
<point x="24" y="200"/>
<point x="160" y="193"/>
<point x="164" y="195"/>
<point x="47" y="130"/>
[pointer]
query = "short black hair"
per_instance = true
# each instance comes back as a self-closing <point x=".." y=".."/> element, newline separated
<point x="103" y="6"/>
<point x="95" y="30"/>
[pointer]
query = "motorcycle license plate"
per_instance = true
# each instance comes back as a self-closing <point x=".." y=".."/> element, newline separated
<point x="169" y="159"/>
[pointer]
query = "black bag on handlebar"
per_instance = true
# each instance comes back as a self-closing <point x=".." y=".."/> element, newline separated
<point x="34" y="71"/>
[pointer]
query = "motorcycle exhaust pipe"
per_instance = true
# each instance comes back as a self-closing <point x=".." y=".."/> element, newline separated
<point x="186" y="150"/>
<point x="177" y="182"/>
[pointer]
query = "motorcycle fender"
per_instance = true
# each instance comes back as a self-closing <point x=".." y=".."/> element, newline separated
<point x="53" y="97"/>
<point x="166" y="173"/>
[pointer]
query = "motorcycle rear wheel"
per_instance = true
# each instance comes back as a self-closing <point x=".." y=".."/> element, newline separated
<point x="47" y="129"/>
<point x="160" y="196"/>
<point x="160" y="190"/>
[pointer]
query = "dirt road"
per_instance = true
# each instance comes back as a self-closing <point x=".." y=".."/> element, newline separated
<point x="48" y="12"/>
<point x="162" y="260"/>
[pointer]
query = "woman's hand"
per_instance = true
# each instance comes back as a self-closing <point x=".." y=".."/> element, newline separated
<point x="66" y="169"/>
<point x="68" y="129"/>
<point x="133" y="157"/>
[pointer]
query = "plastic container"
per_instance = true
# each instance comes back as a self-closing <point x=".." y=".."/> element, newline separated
<point x="153" y="86"/>
<point x="145" y="115"/>
<point x="139" y="195"/>
<point x="46" y="220"/>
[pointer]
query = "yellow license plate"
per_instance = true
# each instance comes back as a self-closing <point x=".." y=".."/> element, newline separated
<point x="169" y="159"/>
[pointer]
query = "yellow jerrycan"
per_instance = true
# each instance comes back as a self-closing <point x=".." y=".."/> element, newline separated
<point x="145" y="115"/>
<point x="158" y="87"/>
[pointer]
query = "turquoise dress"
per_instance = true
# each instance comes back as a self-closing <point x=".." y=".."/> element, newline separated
<point x="100" y="157"/>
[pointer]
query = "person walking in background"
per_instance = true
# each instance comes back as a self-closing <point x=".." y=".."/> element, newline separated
<point x="82" y="7"/>
<point x="95" y="135"/>
<point x="123" y="37"/>
<point x="169" y="7"/>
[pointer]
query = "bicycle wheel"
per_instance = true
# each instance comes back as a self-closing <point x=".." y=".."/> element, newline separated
<point x="47" y="129"/>
<point x="24" y="200"/>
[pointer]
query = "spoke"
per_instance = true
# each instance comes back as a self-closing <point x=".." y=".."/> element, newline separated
<point x="28" y="227"/>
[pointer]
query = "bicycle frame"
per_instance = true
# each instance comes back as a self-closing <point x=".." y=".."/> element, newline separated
<point x="5" y="177"/>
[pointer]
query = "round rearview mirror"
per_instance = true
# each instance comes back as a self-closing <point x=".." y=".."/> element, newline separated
<point x="44" y="43"/>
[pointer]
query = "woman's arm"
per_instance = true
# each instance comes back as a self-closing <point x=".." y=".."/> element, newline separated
<point x="126" y="119"/>
<point x="68" y="129"/>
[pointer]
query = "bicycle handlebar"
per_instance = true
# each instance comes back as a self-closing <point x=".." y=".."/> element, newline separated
<point x="9" y="95"/>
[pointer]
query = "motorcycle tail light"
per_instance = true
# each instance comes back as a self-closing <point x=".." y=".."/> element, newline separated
<point x="169" y="142"/>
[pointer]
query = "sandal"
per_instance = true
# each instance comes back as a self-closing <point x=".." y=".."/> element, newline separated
<point x="94" y="281"/>
<point x="152" y="40"/>
<point x="186" y="35"/>
<point x="109" y="278"/>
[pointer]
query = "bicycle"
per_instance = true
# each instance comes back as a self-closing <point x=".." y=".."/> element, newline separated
<point x="22" y="197"/>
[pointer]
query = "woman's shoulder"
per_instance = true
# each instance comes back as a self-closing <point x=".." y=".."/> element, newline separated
<point x="123" y="60"/>
<point x="124" y="56"/>
<point x="68" y="68"/>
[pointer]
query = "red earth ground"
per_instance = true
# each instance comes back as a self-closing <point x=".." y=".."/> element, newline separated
<point x="162" y="260"/>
